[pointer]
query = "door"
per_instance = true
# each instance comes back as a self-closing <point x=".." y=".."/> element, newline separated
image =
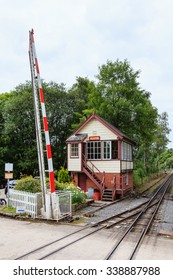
<point x="82" y="181"/>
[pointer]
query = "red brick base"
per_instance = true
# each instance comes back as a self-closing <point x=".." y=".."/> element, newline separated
<point x="109" y="177"/>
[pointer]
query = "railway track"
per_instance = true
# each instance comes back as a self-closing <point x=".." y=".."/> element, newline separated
<point x="143" y="221"/>
<point x="137" y="221"/>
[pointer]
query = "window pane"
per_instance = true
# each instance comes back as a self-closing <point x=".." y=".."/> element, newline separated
<point x="114" y="149"/>
<point x="74" y="150"/>
<point x="107" y="149"/>
<point x="94" y="150"/>
<point x="126" y="151"/>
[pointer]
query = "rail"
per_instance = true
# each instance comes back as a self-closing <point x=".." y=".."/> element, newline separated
<point x="148" y="204"/>
<point x="161" y="190"/>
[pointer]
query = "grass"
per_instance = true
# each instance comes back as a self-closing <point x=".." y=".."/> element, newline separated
<point x="80" y="220"/>
<point x="149" y="182"/>
<point x="11" y="210"/>
<point x="8" y="209"/>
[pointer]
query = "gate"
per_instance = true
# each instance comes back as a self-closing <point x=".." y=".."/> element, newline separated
<point x="63" y="204"/>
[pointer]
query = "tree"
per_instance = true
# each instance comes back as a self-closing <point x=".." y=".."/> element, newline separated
<point x="161" y="134"/>
<point x="19" y="126"/>
<point x="60" y="114"/>
<point x="19" y="130"/>
<point x="79" y="94"/>
<point x="116" y="96"/>
<point x="4" y="155"/>
<point x="166" y="159"/>
<point x="119" y="99"/>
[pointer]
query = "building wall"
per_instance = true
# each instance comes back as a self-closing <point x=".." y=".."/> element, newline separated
<point x="95" y="128"/>
<point x="108" y="166"/>
<point x="108" y="180"/>
<point x="74" y="164"/>
<point x="126" y="165"/>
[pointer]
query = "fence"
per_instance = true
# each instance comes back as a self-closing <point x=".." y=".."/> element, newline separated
<point x="63" y="204"/>
<point x="31" y="202"/>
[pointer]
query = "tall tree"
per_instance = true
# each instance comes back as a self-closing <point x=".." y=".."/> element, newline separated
<point x="19" y="130"/>
<point x="79" y="93"/>
<point x="60" y="113"/>
<point x="119" y="99"/>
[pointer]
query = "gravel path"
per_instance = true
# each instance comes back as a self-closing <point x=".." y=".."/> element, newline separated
<point x="165" y="215"/>
<point x="112" y="209"/>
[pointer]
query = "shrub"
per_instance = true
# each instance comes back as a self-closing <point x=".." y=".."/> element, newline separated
<point x="78" y="196"/>
<point x="28" y="184"/>
<point x="63" y="175"/>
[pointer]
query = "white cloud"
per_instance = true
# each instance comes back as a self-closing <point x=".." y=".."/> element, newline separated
<point x="74" y="37"/>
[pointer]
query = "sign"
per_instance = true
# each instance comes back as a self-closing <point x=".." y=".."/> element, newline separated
<point x="20" y="209"/>
<point x="8" y="167"/>
<point x="94" y="138"/>
<point x="8" y="175"/>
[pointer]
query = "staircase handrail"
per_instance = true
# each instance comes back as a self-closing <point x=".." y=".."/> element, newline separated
<point x="92" y="170"/>
<point x="93" y="166"/>
<point x="114" y="188"/>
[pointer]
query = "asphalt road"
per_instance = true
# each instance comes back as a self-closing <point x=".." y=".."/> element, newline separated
<point x="18" y="237"/>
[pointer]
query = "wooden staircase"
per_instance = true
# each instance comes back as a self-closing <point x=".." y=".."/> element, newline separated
<point x="90" y="170"/>
<point x="107" y="195"/>
<point x="93" y="178"/>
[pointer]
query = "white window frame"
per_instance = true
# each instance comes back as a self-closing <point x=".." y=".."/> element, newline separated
<point x="74" y="150"/>
<point x="95" y="150"/>
<point x="107" y="154"/>
<point x="126" y="151"/>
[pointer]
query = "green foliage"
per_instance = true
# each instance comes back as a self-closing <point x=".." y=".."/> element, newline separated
<point x="165" y="161"/>
<point x="8" y="209"/>
<point x="63" y="175"/>
<point x="78" y="196"/>
<point x="116" y="95"/>
<point x="28" y="184"/>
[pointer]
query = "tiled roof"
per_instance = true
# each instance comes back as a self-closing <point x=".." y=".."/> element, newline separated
<point x="76" y="137"/>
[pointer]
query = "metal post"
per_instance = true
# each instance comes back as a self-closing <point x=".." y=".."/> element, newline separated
<point x="7" y="192"/>
<point x="39" y="100"/>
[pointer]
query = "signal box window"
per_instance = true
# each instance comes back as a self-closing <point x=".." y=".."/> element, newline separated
<point x="74" y="150"/>
<point x="94" y="150"/>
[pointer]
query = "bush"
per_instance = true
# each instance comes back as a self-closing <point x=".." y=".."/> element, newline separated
<point x="78" y="196"/>
<point x="28" y="184"/>
<point x="63" y="175"/>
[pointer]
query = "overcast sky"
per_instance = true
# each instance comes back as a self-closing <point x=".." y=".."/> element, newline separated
<point x="74" y="37"/>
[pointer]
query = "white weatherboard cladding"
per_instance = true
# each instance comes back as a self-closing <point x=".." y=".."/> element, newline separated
<point x="127" y="165"/>
<point x="74" y="164"/>
<point x="109" y="166"/>
<point x="95" y="128"/>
